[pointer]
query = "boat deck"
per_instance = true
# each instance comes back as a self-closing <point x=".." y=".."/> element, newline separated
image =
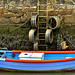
<point x="46" y="56"/>
<point x="9" y="55"/>
<point x="58" y="56"/>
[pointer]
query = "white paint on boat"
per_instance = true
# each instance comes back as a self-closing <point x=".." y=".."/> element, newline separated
<point x="68" y="57"/>
<point x="23" y="55"/>
<point x="2" y="59"/>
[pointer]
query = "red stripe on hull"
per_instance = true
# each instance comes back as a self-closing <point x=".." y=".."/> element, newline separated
<point x="46" y="52"/>
<point x="40" y="61"/>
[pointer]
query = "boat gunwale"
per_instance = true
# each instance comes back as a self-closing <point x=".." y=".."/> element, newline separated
<point x="46" y="52"/>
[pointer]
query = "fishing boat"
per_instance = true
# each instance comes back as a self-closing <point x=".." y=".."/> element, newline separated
<point x="37" y="60"/>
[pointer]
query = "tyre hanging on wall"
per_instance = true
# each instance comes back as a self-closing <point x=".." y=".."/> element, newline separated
<point x="54" y="22"/>
<point x="49" y="36"/>
<point x="35" y="46"/>
<point x="32" y="35"/>
<point x="34" y="20"/>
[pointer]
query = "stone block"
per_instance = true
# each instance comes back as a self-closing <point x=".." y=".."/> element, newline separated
<point x="69" y="19"/>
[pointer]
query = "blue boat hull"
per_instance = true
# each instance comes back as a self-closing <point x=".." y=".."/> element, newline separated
<point x="37" y="66"/>
<point x="53" y="61"/>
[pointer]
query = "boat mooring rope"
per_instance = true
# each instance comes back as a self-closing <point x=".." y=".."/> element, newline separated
<point x="21" y="24"/>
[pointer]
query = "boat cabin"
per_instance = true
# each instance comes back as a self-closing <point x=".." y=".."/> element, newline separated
<point x="31" y="56"/>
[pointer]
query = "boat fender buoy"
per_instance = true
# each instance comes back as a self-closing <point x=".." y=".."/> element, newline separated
<point x="32" y="35"/>
<point x="49" y="36"/>
<point x="54" y="22"/>
<point x="34" y="20"/>
<point x="35" y="46"/>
